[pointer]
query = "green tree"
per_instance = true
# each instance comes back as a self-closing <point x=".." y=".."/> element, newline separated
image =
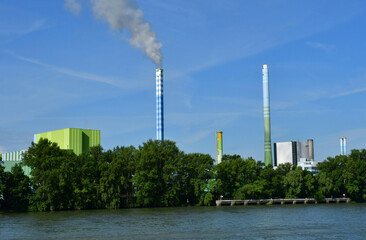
<point x="116" y="184"/>
<point x="300" y="183"/>
<point x="331" y="176"/>
<point x="18" y="189"/>
<point x="230" y="174"/>
<point x="235" y="172"/>
<point x="3" y="178"/>
<point x="355" y="175"/>
<point x="52" y="170"/>
<point x="251" y="190"/>
<point x="91" y="167"/>
<point x="195" y="171"/>
<point x="294" y="183"/>
<point x="278" y="180"/>
<point x="156" y="177"/>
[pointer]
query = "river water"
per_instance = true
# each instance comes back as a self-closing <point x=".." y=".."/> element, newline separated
<point x="324" y="221"/>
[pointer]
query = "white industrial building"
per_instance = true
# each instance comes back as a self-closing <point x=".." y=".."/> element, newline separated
<point x="295" y="153"/>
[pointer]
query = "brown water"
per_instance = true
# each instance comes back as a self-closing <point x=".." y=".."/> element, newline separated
<point x="327" y="221"/>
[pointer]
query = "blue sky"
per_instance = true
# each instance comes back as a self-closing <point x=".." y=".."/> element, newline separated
<point x="59" y="69"/>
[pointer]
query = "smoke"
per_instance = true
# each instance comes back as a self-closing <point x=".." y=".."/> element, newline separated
<point x="124" y="14"/>
<point x="73" y="6"/>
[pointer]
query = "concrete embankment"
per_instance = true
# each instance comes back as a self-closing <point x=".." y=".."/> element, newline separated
<point x="280" y="201"/>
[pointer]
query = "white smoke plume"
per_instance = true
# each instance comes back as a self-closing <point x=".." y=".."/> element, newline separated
<point x="124" y="14"/>
<point x="73" y="6"/>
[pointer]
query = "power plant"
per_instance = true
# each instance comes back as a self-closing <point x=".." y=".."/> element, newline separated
<point x="219" y="151"/>
<point x="343" y="145"/>
<point x="159" y="105"/>
<point x="267" y="120"/>
<point x="296" y="153"/>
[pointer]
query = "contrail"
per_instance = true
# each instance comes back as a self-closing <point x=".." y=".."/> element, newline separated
<point x="124" y="14"/>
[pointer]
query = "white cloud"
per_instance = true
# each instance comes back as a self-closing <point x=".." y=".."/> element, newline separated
<point x="73" y="6"/>
<point x="124" y="84"/>
<point x="325" y="47"/>
<point x="357" y="90"/>
<point x="10" y="30"/>
<point x="198" y="136"/>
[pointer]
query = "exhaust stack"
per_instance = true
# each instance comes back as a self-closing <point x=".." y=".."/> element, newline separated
<point x="311" y="148"/>
<point x="267" y="121"/>
<point x="343" y="143"/>
<point x="219" y="151"/>
<point x="159" y="105"/>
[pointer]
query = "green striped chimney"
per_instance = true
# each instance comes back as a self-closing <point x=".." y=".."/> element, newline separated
<point x="267" y="120"/>
<point x="219" y="147"/>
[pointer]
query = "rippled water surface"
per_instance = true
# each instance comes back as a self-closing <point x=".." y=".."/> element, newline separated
<point x="333" y="221"/>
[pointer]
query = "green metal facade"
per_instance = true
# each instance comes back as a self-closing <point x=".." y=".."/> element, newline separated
<point x="77" y="139"/>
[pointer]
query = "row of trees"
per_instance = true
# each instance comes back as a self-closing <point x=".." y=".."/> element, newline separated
<point x="157" y="174"/>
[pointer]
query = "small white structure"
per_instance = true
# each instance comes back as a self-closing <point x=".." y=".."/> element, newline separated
<point x="308" y="164"/>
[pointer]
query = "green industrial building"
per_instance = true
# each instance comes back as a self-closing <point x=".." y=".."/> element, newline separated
<point x="76" y="139"/>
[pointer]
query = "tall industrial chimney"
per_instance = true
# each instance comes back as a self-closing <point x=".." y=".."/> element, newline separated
<point x="218" y="147"/>
<point x="343" y="143"/>
<point x="311" y="148"/>
<point x="159" y="105"/>
<point x="267" y="121"/>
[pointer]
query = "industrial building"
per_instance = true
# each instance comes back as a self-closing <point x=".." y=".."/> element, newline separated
<point x="76" y="139"/>
<point x="11" y="158"/>
<point x="295" y="153"/>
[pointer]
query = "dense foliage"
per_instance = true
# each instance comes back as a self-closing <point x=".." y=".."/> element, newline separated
<point x="159" y="174"/>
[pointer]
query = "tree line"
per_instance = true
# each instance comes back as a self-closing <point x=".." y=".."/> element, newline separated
<point x="158" y="174"/>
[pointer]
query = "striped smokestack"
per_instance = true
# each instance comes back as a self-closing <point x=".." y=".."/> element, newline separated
<point x="267" y="121"/>
<point x="343" y="142"/>
<point x="159" y="105"/>
<point x="219" y="147"/>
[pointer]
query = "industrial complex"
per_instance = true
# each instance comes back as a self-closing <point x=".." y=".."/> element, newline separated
<point x="80" y="140"/>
